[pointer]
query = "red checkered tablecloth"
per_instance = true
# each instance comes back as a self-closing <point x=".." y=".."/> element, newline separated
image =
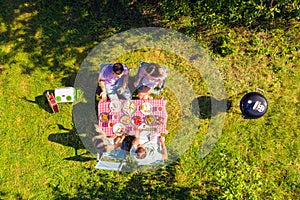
<point x="158" y="111"/>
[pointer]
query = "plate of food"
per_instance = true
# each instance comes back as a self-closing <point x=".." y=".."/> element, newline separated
<point x="104" y="117"/>
<point x="146" y="108"/>
<point x="150" y="120"/>
<point x="119" y="129"/>
<point x="136" y="120"/>
<point x="129" y="107"/>
<point x="125" y="119"/>
<point x="115" y="105"/>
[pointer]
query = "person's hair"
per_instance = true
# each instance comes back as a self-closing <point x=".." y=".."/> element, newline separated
<point x="118" y="68"/>
<point x="140" y="153"/>
<point x="154" y="70"/>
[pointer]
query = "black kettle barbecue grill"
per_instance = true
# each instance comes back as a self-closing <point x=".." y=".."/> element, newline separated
<point x="253" y="105"/>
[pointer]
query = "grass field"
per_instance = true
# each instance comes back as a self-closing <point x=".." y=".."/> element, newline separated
<point x="42" y="47"/>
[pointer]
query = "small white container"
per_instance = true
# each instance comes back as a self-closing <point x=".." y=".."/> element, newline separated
<point x="64" y="95"/>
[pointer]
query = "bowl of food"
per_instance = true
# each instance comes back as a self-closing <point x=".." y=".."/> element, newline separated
<point x="159" y="120"/>
<point x="125" y="119"/>
<point x="150" y="120"/>
<point x="136" y="120"/>
<point x="104" y="117"/>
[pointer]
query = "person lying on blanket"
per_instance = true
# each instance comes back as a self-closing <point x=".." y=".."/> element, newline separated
<point x="103" y="143"/>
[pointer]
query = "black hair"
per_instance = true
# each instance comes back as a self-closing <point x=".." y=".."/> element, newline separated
<point x="118" y="68"/>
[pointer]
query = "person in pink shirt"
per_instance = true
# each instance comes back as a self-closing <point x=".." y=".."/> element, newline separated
<point x="149" y="77"/>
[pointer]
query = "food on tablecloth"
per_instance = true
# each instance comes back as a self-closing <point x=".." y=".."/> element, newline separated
<point x="115" y="105"/>
<point x="136" y="120"/>
<point x="146" y="108"/>
<point x="129" y="107"/>
<point x="125" y="119"/>
<point x="119" y="129"/>
<point x="149" y="119"/>
<point x="143" y="126"/>
<point x="159" y="120"/>
<point x="104" y="117"/>
<point x="110" y="124"/>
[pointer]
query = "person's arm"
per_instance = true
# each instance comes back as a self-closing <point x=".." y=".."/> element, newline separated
<point x="139" y="77"/>
<point x="125" y="81"/>
<point x="161" y="79"/>
<point x="120" y="139"/>
<point x="137" y="135"/>
<point x="99" y="130"/>
<point x="125" y="78"/>
<point x="103" y="94"/>
<point x="164" y="151"/>
<point x="159" y="85"/>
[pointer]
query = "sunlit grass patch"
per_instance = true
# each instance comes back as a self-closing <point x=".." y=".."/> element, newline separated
<point x="42" y="47"/>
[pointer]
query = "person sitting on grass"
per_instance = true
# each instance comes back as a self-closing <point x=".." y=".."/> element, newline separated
<point x="150" y="151"/>
<point x="113" y="80"/>
<point x="103" y="143"/>
<point x="149" y="77"/>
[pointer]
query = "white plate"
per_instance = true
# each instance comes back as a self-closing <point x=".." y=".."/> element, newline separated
<point x="115" y="105"/>
<point x="146" y="108"/>
<point x="119" y="129"/>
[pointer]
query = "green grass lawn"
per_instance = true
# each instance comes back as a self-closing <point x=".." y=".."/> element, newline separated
<point x="41" y="156"/>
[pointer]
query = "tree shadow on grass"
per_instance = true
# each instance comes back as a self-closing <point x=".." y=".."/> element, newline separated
<point x="70" y="139"/>
<point x="41" y="101"/>
<point x="2" y="194"/>
<point x="160" y="184"/>
<point x="84" y="157"/>
<point x="202" y="106"/>
<point x="58" y="35"/>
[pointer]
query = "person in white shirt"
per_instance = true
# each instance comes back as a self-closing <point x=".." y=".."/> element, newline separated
<point x="150" y="150"/>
